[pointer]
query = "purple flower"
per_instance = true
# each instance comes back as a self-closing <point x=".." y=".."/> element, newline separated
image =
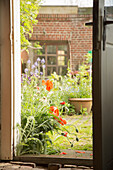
<point x="26" y="70"/>
<point x="33" y="66"/>
<point x="29" y="61"/>
<point x="43" y="61"/>
<point x="28" y="82"/>
<point x="29" y="78"/>
<point x="31" y="73"/>
<point x="41" y="73"/>
<point x="36" y="75"/>
<point x="36" y="71"/>
<point x="28" y="2"/>
<point x="21" y="80"/>
<point x="43" y="66"/>
<point x="38" y="59"/>
<point x="25" y="75"/>
<point x="36" y="64"/>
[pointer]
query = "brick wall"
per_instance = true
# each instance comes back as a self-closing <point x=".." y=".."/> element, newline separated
<point x="66" y="27"/>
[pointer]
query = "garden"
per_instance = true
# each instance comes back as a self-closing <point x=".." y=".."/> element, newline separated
<point x="49" y="122"/>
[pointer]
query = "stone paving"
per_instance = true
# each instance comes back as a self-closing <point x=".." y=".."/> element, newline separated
<point x="27" y="166"/>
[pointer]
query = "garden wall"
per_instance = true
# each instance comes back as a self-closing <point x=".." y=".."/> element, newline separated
<point x="68" y="25"/>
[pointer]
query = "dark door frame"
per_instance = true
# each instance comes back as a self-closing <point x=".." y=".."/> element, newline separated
<point x="96" y="92"/>
<point x="102" y="125"/>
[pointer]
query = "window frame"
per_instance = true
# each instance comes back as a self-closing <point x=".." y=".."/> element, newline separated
<point x="55" y="43"/>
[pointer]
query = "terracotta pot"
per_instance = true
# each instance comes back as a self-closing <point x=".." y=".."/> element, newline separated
<point x="81" y="103"/>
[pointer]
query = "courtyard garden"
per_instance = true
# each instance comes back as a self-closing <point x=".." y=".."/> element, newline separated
<point x="49" y="122"/>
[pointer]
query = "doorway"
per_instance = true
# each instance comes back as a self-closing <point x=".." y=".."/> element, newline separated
<point x="102" y="122"/>
<point x="55" y="54"/>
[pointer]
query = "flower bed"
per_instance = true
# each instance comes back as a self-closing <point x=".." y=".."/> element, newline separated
<point x="43" y="104"/>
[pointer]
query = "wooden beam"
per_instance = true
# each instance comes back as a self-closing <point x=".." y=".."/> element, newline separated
<point x="6" y="118"/>
<point x="10" y="75"/>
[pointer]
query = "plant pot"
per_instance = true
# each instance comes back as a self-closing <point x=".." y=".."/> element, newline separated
<point x="81" y="103"/>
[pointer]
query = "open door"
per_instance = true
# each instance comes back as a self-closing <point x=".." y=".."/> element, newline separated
<point x="103" y="84"/>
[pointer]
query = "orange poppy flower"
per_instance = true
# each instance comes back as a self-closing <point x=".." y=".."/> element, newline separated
<point x="43" y="82"/>
<point x="64" y="134"/>
<point x="63" y="153"/>
<point x="62" y="103"/>
<point x="54" y="110"/>
<point x="63" y="121"/>
<point x="37" y="88"/>
<point x="79" y="152"/>
<point x="49" y="85"/>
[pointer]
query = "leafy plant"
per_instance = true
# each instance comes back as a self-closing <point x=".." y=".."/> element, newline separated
<point x="84" y="124"/>
<point x="39" y="111"/>
<point x="76" y="86"/>
<point x="83" y="111"/>
<point x="82" y="81"/>
<point x="28" y="17"/>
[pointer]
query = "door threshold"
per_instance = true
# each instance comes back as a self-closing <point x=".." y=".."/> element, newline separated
<point x="63" y="159"/>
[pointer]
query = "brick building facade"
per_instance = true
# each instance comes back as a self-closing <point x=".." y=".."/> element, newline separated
<point x="64" y="29"/>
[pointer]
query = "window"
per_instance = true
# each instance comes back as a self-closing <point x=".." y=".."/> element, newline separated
<point x="56" y="57"/>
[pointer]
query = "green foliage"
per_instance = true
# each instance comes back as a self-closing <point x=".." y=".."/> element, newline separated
<point x="36" y="118"/>
<point x="75" y="86"/>
<point x="83" y="111"/>
<point x="82" y="81"/>
<point x="84" y="125"/>
<point x="28" y="17"/>
<point x="38" y="124"/>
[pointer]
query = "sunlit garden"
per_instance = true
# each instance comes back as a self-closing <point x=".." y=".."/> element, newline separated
<point x="49" y="122"/>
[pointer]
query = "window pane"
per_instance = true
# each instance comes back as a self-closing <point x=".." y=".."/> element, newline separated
<point x="51" y="49"/>
<point x="62" y="60"/>
<point x="51" y="60"/>
<point x="62" y="49"/>
<point x="50" y="70"/>
<point x="62" y="70"/>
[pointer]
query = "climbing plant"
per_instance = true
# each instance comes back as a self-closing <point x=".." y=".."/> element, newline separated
<point x="29" y="10"/>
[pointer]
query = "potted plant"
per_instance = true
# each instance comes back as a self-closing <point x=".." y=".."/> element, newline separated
<point x="80" y="94"/>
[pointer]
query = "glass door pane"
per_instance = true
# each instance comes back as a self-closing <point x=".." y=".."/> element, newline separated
<point x="109" y="8"/>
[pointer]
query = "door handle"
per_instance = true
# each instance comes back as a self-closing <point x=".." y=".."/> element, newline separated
<point x="108" y="22"/>
<point x="105" y="22"/>
<point x="89" y="24"/>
